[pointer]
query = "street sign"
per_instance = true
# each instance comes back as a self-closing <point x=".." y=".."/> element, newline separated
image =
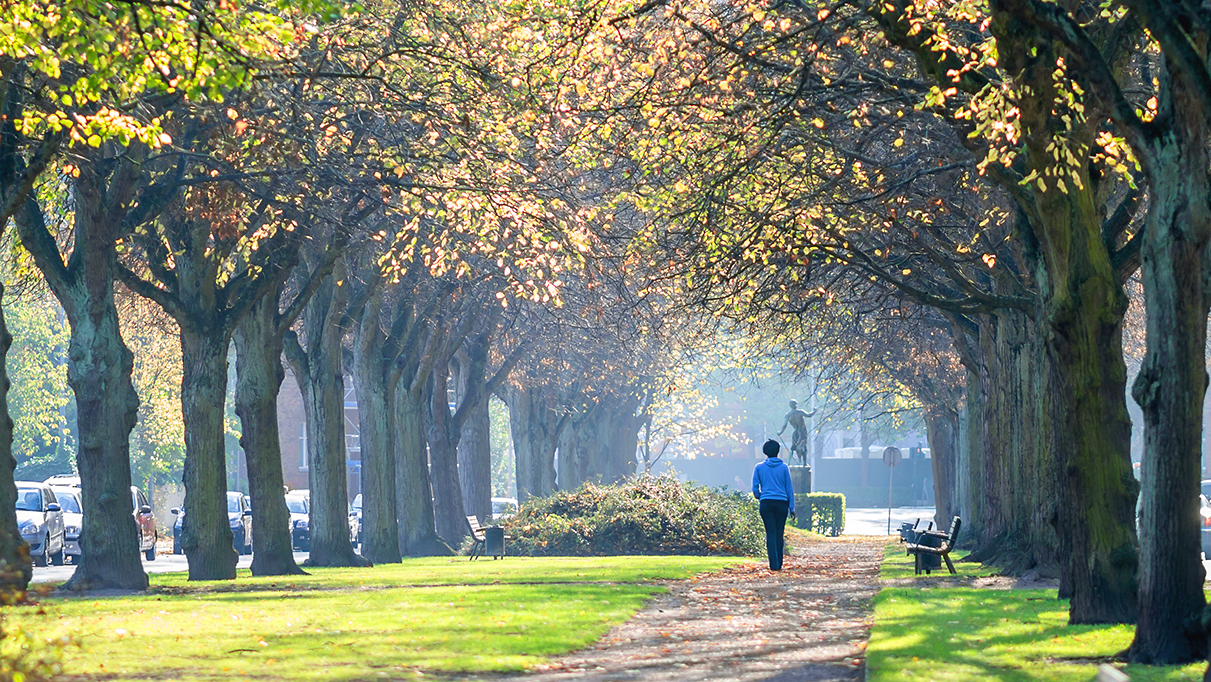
<point x="891" y="456"/>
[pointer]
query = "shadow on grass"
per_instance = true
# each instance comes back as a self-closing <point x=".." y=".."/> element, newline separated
<point x="337" y="636"/>
<point x="942" y="629"/>
<point x="456" y="571"/>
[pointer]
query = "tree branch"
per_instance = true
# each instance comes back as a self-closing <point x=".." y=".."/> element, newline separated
<point x="166" y="299"/>
<point x="1089" y="62"/>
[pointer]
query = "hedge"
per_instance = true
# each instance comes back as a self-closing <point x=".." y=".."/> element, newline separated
<point x="823" y="513"/>
<point x="647" y="515"/>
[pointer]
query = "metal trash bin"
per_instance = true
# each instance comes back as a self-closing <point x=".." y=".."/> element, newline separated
<point x="494" y="541"/>
<point x="929" y="562"/>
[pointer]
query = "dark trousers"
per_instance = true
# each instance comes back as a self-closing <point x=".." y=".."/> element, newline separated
<point x="773" y="515"/>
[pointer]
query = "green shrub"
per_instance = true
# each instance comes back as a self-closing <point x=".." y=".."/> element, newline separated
<point x="823" y="513"/>
<point x="648" y="515"/>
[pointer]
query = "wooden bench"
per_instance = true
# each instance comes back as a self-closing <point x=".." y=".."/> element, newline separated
<point x="947" y="544"/>
<point x="481" y="539"/>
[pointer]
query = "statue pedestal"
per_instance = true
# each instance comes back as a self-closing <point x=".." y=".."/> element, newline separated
<point x="801" y="479"/>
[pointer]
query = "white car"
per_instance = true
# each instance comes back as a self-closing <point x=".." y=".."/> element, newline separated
<point x="355" y="521"/>
<point x="73" y="519"/>
<point x="63" y="481"/>
<point x="503" y="507"/>
<point x="40" y="521"/>
<point x="300" y="518"/>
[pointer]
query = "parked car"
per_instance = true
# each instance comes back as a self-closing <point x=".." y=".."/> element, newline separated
<point x="239" y="514"/>
<point x="1204" y="511"/>
<point x="73" y="520"/>
<point x="300" y="522"/>
<point x="239" y="517"/>
<point x="63" y="481"/>
<point x="40" y="521"/>
<point x="355" y="520"/>
<point x="145" y="520"/>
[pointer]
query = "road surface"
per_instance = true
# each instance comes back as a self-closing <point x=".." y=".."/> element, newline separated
<point x="873" y="521"/>
<point x="164" y="563"/>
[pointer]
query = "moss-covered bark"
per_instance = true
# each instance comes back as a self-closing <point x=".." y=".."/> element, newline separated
<point x="16" y="569"/>
<point x="1172" y="381"/>
<point x="320" y="376"/>
<point x="99" y="368"/>
<point x="376" y="425"/>
<point x="259" y="376"/>
<point x="206" y="534"/>
<point x="414" y="495"/>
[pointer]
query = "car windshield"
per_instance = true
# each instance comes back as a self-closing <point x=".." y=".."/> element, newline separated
<point x="233" y="504"/>
<point x="29" y="499"/>
<point x="357" y="502"/>
<point x="69" y="503"/>
<point x="296" y="506"/>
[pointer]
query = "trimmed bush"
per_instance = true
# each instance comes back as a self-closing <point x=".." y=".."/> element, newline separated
<point x="648" y="515"/>
<point x="822" y="513"/>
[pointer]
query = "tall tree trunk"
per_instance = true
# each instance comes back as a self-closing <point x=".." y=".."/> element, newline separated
<point x="618" y="440"/>
<point x="414" y="495"/>
<point x="1081" y="303"/>
<point x="15" y="566"/>
<point x="1016" y="466"/>
<point x="106" y="409"/>
<point x="535" y="427"/>
<point x="99" y="369"/>
<point x="318" y="371"/>
<point x="1172" y="382"/>
<point x="380" y="527"/>
<point x="1004" y="465"/>
<point x="331" y="544"/>
<point x="259" y="376"/>
<point x="580" y="449"/>
<point x="206" y="533"/>
<point x="969" y="461"/>
<point x="942" y="429"/>
<point x="1097" y="490"/>
<point x="474" y="451"/>
<point x="323" y="391"/>
<point x="443" y="460"/>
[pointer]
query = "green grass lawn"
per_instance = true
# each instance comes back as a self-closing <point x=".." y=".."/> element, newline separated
<point x="939" y="630"/>
<point x="357" y="624"/>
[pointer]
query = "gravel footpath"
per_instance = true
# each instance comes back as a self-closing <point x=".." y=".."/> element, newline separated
<point x="810" y="622"/>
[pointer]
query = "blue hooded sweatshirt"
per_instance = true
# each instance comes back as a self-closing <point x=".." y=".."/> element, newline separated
<point x="772" y="481"/>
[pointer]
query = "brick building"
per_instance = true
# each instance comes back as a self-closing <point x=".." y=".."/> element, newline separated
<point x="292" y="430"/>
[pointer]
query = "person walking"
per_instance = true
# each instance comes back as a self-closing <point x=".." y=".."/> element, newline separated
<point x="772" y="487"/>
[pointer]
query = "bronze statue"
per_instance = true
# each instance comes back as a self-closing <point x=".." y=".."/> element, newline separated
<point x="797" y="419"/>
